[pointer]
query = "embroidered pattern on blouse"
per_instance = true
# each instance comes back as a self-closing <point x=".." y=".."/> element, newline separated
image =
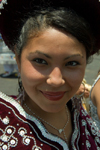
<point x="76" y="131"/>
<point x="5" y="120"/>
<point x="94" y="129"/>
<point x="88" y="145"/>
<point x="7" y="138"/>
<point x="86" y="130"/>
<point x="95" y="132"/>
<point x="2" y="4"/>
<point x="36" y="121"/>
<point x="84" y="112"/>
<point x="98" y="141"/>
<point x="26" y="139"/>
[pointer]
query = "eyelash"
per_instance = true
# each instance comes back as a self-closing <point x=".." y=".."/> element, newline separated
<point x="43" y="62"/>
<point x="40" y="61"/>
<point x="72" y="63"/>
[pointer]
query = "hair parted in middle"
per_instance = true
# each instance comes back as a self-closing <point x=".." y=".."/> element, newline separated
<point x="64" y="20"/>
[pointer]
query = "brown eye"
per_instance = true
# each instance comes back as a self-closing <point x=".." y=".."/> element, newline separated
<point x="72" y="63"/>
<point x="40" y="61"/>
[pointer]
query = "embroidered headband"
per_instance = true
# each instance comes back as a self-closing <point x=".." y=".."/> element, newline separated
<point x="2" y="2"/>
<point x="12" y="11"/>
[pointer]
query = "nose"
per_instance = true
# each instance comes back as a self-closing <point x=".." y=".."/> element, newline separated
<point x="55" y="78"/>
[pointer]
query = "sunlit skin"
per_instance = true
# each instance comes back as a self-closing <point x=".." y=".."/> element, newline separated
<point x="51" y="62"/>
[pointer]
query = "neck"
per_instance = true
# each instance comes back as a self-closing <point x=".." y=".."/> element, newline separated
<point x="57" y="119"/>
<point x="58" y="123"/>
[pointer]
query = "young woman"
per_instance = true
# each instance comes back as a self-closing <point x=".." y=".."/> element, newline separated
<point x="52" y="41"/>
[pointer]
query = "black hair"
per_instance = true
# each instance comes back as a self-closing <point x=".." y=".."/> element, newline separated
<point x="65" y="20"/>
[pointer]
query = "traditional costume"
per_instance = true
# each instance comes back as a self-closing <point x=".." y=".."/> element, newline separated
<point x="19" y="130"/>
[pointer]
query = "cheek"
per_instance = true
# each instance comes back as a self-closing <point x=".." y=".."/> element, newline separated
<point x="30" y="76"/>
<point x="75" y="78"/>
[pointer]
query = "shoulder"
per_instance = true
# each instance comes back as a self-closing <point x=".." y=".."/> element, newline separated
<point x="8" y="101"/>
<point x="20" y="130"/>
<point x="9" y="108"/>
<point x="95" y="84"/>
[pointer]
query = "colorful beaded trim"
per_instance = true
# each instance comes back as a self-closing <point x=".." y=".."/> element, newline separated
<point x="2" y="2"/>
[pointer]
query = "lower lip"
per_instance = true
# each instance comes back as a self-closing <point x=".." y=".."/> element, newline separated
<point x="54" y="97"/>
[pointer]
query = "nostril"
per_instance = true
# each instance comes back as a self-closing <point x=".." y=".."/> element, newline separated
<point x="55" y="81"/>
<point x="63" y="81"/>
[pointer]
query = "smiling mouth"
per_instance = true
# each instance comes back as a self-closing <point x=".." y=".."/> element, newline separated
<point x="54" y="96"/>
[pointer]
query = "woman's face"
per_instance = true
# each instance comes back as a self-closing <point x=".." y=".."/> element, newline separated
<point x="52" y="67"/>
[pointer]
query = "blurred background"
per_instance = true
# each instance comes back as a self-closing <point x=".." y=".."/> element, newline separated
<point x="8" y="70"/>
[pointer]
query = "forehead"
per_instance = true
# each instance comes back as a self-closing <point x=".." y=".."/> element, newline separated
<point x="52" y="40"/>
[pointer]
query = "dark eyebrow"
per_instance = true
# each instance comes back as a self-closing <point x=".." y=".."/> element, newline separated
<point x="41" y="53"/>
<point x="75" y="55"/>
<point x="38" y="52"/>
